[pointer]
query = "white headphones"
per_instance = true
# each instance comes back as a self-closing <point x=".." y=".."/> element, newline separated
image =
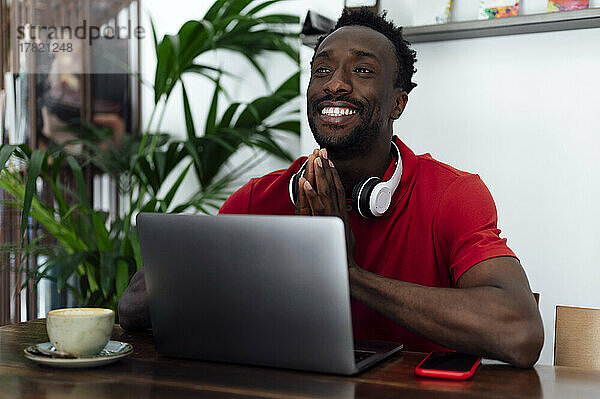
<point x="370" y="197"/>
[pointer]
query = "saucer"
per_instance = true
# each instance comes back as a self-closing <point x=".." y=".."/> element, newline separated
<point x="113" y="351"/>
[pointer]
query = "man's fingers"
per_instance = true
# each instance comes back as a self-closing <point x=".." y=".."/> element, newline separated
<point x="324" y="186"/>
<point x="302" y="205"/>
<point x="314" y="201"/>
<point x="335" y="180"/>
<point x="339" y="187"/>
<point x="310" y="170"/>
<point x="309" y="174"/>
<point x="334" y="193"/>
<point x="335" y="184"/>
<point x="320" y="190"/>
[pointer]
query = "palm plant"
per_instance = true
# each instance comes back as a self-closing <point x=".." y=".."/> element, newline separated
<point x="102" y="250"/>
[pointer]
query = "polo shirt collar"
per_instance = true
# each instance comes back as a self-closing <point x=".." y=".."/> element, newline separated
<point x="409" y="166"/>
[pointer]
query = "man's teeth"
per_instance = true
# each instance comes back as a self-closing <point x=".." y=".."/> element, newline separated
<point x="337" y="111"/>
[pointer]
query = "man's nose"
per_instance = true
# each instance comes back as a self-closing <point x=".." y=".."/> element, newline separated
<point x="338" y="84"/>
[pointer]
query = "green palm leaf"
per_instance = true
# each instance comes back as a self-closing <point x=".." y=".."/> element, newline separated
<point x="212" y="111"/>
<point x="5" y="152"/>
<point x="35" y="166"/>
<point x="102" y="257"/>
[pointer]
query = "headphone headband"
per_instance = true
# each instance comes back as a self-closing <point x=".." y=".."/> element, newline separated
<point x="380" y="197"/>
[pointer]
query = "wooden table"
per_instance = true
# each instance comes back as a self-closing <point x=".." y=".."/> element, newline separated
<point x="144" y="374"/>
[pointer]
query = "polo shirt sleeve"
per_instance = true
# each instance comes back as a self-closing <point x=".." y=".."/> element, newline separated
<point x="239" y="202"/>
<point x="468" y="225"/>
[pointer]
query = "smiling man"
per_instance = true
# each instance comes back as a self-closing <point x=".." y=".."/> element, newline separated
<point x="426" y="263"/>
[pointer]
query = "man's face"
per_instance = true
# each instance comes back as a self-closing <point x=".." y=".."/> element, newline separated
<point x="351" y="94"/>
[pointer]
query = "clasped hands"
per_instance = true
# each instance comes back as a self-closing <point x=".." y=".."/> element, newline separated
<point x="321" y="193"/>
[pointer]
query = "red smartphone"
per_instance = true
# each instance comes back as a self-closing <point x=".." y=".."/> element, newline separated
<point x="448" y="365"/>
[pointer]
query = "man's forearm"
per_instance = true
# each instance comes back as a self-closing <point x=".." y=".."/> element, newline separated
<point x="134" y="313"/>
<point x="486" y="321"/>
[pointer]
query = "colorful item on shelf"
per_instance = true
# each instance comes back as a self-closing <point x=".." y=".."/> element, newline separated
<point x="566" y="5"/>
<point x="489" y="9"/>
<point x="432" y="12"/>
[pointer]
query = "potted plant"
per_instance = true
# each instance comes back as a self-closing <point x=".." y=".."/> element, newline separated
<point x="100" y="251"/>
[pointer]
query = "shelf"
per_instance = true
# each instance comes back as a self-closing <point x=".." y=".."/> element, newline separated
<point x="547" y="22"/>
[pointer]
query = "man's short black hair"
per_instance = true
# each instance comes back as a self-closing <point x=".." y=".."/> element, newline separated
<point x="405" y="56"/>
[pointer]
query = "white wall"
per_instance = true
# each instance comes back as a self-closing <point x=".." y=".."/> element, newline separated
<point x="522" y="112"/>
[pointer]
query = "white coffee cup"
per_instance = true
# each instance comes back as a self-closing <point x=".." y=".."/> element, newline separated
<point x="80" y="331"/>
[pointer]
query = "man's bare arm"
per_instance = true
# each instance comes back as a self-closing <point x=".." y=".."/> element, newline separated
<point x="134" y="313"/>
<point x="492" y="313"/>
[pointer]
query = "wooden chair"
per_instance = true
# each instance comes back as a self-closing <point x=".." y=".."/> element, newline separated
<point x="577" y="337"/>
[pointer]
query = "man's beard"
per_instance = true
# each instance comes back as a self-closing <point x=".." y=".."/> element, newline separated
<point x="358" y="141"/>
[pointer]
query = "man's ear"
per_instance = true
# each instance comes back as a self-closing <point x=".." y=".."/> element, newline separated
<point x="401" y="99"/>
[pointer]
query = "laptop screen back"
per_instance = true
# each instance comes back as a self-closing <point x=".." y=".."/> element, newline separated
<point x="262" y="290"/>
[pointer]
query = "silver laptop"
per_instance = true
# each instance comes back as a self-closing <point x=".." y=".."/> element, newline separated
<point x="260" y="290"/>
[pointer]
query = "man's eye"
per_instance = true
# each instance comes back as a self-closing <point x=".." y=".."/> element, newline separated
<point x="362" y="70"/>
<point x="322" y="70"/>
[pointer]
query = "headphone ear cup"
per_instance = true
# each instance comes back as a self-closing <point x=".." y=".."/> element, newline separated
<point x="361" y="194"/>
<point x="295" y="183"/>
<point x="355" y="192"/>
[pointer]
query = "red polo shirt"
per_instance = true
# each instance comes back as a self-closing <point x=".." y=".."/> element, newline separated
<point x="441" y="222"/>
